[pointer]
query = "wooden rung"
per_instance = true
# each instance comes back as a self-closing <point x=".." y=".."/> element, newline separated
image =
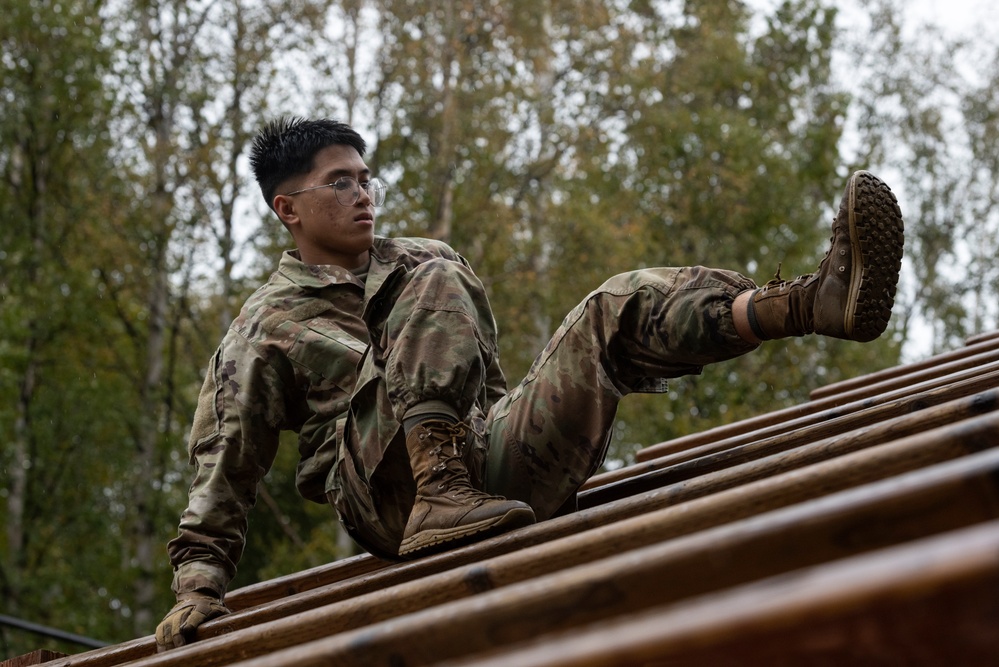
<point x="811" y="428"/>
<point x="725" y="496"/>
<point x="33" y="658"/>
<point x="813" y="410"/>
<point x="929" y="602"/>
<point x="298" y="582"/>
<point x="801" y="444"/>
<point x="944" y="497"/>
<point x="978" y="338"/>
<point x="781" y="491"/>
<point x="931" y="500"/>
<point x="831" y="421"/>
<point x="954" y="359"/>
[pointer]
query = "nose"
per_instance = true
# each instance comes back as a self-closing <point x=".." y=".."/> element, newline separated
<point x="363" y="197"/>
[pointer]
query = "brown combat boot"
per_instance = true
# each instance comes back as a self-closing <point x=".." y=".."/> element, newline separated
<point x="852" y="293"/>
<point x="449" y="511"/>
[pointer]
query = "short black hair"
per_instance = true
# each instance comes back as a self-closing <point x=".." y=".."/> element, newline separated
<point x="287" y="147"/>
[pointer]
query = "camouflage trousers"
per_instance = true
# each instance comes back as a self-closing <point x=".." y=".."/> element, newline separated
<point x="433" y="338"/>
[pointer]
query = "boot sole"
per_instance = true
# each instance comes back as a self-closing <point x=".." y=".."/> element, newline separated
<point x="431" y="541"/>
<point x="876" y="236"/>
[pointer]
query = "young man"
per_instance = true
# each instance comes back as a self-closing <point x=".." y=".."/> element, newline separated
<point x="381" y="354"/>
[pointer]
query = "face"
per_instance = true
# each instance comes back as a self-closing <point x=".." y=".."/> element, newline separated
<point x="325" y="231"/>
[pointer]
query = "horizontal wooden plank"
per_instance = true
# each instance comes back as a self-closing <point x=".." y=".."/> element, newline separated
<point x="874" y="428"/>
<point x="978" y="338"/>
<point x="813" y="411"/>
<point x="853" y="415"/>
<point x="352" y="596"/>
<point x="306" y="580"/>
<point x="932" y="500"/>
<point x="928" y="602"/>
<point x="34" y="658"/>
<point x="962" y="357"/>
<point x="724" y="496"/>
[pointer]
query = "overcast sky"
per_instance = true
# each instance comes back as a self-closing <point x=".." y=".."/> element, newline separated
<point x="969" y="18"/>
<point x="963" y="17"/>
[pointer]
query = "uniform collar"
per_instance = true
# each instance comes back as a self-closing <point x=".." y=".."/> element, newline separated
<point x="311" y="276"/>
<point x="385" y="256"/>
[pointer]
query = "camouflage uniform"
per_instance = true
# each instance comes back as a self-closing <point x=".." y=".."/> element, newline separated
<point x="341" y="358"/>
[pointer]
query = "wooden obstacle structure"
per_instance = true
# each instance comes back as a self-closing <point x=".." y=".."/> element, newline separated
<point x="860" y="527"/>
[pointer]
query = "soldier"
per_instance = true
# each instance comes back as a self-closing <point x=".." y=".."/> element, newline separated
<point x="381" y="353"/>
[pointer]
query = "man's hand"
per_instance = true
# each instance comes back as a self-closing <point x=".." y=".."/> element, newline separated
<point x="178" y="626"/>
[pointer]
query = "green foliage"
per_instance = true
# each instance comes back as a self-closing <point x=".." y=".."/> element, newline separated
<point x="552" y="143"/>
<point x="58" y="406"/>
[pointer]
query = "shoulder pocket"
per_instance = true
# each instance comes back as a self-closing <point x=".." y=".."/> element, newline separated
<point x="327" y="351"/>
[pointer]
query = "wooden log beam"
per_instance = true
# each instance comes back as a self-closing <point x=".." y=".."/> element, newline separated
<point x="34" y="658"/>
<point x="944" y="497"/>
<point x="808" y="412"/>
<point x="628" y="535"/>
<point x="928" y="602"/>
<point x="845" y="417"/>
<point x="882" y="427"/>
<point x="978" y="338"/>
<point x="962" y="357"/>
<point x="306" y="580"/>
<point x="771" y="490"/>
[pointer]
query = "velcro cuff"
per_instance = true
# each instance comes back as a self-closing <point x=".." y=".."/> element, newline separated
<point x="202" y="576"/>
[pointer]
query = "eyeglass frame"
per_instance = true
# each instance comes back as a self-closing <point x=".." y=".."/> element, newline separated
<point x="376" y="184"/>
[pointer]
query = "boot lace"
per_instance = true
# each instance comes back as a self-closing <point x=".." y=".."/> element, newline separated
<point x="450" y="471"/>
<point x="779" y="284"/>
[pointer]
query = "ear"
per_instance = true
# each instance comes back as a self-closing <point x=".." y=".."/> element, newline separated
<point x="285" y="209"/>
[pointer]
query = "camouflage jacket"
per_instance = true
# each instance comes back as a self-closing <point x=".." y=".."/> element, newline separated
<point x="289" y="361"/>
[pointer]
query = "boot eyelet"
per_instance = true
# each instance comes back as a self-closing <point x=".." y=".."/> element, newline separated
<point x="842" y="269"/>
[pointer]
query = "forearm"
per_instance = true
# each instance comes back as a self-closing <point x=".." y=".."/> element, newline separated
<point x="232" y="445"/>
<point x="212" y="529"/>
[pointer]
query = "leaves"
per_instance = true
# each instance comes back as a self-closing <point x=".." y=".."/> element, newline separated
<point x="552" y="143"/>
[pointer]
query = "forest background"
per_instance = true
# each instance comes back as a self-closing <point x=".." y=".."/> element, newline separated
<point x="552" y="142"/>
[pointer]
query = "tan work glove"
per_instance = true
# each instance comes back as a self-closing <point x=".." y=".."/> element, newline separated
<point x="178" y="626"/>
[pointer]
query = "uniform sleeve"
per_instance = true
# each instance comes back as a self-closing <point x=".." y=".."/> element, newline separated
<point x="232" y="446"/>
